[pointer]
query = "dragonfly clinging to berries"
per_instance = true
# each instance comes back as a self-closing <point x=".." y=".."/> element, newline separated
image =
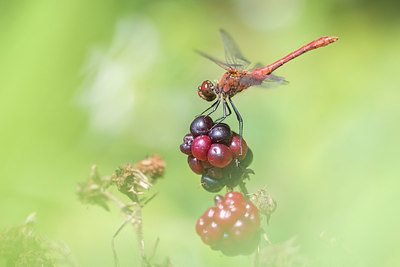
<point x="238" y="76"/>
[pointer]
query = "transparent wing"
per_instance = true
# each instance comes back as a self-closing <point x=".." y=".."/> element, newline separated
<point x="216" y="61"/>
<point x="233" y="56"/>
<point x="273" y="81"/>
<point x="268" y="81"/>
<point x="255" y="66"/>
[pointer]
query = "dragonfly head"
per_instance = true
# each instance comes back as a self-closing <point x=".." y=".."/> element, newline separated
<point x="207" y="91"/>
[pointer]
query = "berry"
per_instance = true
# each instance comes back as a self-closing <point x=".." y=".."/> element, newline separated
<point x="239" y="153"/>
<point x="234" y="174"/>
<point x="215" y="172"/>
<point x="221" y="134"/>
<point x="232" y="226"/>
<point x="234" y="197"/>
<point x="201" y="126"/>
<point x="239" y="231"/>
<point x="200" y="146"/>
<point x="247" y="160"/>
<point x="186" y="146"/>
<point x="211" y="185"/>
<point x="206" y="164"/>
<point x="219" y="155"/>
<point x="196" y="165"/>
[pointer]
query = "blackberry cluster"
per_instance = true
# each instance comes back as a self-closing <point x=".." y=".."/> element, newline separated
<point x="231" y="226"/>
<point x="214" y="152"/>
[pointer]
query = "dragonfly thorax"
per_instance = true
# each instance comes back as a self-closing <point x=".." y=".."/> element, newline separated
<point x="231" y="83"/>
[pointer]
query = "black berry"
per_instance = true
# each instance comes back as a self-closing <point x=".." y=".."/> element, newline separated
<point x="221" y="134"/>
<point x="212" y="185"/>
<point x="201" y="126"/>
<point x="186" y="146"/>
<point x="247" y="160"/>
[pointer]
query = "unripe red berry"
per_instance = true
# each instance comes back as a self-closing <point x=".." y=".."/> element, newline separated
<point x="219" y="155"/>
<point x="200" y="146"/>
<point x="239" y="153"/>
<point x="196" y="165"/>
<point x="232" y="226"/>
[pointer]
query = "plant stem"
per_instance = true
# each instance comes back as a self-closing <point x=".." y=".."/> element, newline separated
<point x="114" y="198"/>
<point x="139" y="228"/>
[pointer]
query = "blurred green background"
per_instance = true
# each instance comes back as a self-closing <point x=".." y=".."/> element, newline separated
<point x="108" y="82"/>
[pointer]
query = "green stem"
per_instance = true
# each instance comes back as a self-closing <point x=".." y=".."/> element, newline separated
<point x="139" y="228"/>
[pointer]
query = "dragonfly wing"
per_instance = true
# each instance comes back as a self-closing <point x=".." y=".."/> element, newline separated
<point x="273" y="81"/>
<point x="255" y="66"/>
<point x="269" y="81"/>
<point x="216" y="61"/>
<point x="233" y="56"/>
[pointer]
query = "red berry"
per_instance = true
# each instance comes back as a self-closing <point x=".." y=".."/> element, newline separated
<point x="218" y="199"/>
<point x="214" y="231"/>
<point x="252" y="213"/>
<point x="232" y="226"/>
<point x="249" y="246"/>
<point x="242" y="230"/>
<point x="209" y="214"/>
<point x="200" y="146"/>
<point x="195" y="165"/>
<point x="234" y="197"/>
<point x="219" y="155"/>
<point x="200" y="225"/>
<point x="201" y="125"/>
<point x="235" y="147"/>
<point x="224" y="217"/>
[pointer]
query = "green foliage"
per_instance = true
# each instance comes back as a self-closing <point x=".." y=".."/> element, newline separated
<point x="21" y="246"/>
<point x="327" y="144"/>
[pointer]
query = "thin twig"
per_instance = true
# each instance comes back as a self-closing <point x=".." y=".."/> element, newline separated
<point x="148" y="200"/>
<point x="153" y="252"/>
<point x="114" y="198"/>
<point x="128" y="219"/>
<point x="139" y="228"/>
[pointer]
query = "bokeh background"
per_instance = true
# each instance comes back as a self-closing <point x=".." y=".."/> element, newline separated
<point x="108" y="82"/>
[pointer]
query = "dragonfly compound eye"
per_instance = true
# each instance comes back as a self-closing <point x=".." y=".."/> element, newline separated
<point x="207" y="91"/>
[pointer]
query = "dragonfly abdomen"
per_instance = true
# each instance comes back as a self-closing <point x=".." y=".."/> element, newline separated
<point x="323" y="41"/>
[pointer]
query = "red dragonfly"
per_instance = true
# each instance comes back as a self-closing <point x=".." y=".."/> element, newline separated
<point x="237" y="78"/>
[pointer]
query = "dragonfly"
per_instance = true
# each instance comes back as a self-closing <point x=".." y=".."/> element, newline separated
<point x="240" y="75"/>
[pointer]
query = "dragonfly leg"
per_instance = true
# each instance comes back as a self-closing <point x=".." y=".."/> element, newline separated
<point x="239" y="118"/>
<point x="225" y="106"/>
<point x="214" y="106"/>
